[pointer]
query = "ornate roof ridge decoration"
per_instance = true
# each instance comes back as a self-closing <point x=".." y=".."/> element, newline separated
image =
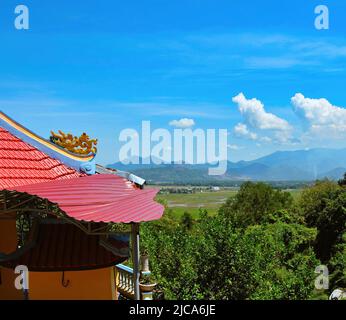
<point x="82" y="145"/>
<point x="82" y="162"/>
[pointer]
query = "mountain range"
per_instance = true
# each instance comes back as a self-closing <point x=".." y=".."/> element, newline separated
<point x="299" y="165"/>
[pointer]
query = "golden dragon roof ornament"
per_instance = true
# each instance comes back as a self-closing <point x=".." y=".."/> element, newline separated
<point x="78" y="145"/>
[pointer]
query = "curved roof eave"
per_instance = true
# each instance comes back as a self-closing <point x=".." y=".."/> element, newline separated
<point x="106" y="198"/>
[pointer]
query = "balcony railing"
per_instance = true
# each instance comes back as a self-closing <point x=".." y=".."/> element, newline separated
<point x="125" y="281"/>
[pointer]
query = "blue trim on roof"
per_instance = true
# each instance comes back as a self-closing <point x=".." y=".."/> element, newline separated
<point x="88" y="167"/>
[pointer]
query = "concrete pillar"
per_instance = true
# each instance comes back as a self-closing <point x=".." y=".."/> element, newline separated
<point x="136" y="258"/>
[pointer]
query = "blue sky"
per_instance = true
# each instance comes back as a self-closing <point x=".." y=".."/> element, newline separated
<point x="103" y="66"/>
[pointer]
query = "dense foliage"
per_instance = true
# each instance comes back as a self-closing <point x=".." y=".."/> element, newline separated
<point x="324" y="207"/>
<point x="260" y="245"/>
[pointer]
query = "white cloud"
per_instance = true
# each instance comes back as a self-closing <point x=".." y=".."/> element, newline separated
<point x="266" y="139"/>
<point x="322" y="117"/>
<point x="255" y="115"/>
<point x="234" y="147"/>
<point x="182" y="123"/>
<point x="241" y="131"/>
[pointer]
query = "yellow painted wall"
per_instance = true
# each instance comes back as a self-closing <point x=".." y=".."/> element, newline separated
<point x="84" y="285"/>
<point x="8" y="244"/>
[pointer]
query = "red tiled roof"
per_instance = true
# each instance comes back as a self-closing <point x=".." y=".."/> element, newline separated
<point x="95" y="198"/>
<point x="22" y="164"/>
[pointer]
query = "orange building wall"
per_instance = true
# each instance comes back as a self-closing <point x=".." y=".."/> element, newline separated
<point x="84" y="285"/>
<point x="7" y="288"/>
<point x="8" y="244"/>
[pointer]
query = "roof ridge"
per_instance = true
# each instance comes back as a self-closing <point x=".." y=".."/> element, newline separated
<point x="23" y="163"/>
<point x="81" y="163"/>
<point x="35" y="169"/>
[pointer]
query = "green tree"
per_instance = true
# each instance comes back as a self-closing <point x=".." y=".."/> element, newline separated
<point x="342" y="182"/>
<point x="217" y="259"/>
<point x="338" y="265"/>
<point x="187" y="220"/>
<point x="254" y="203"/>
<point x="284" y="261"/>
<point x="324" y="207"/>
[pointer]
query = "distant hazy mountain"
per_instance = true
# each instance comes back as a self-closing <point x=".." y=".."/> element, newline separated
<point x="334" y="174"/>
<point x="314" y="160"/>
<point x="300" y="165"/>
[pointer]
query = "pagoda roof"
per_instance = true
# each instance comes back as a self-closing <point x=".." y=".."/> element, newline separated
<point x="33" y="168"/>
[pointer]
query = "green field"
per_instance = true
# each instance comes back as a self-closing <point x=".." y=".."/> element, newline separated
<point x="295" y="193"/>
<point x="191" y="203"/>
<point x="209" y="200"/>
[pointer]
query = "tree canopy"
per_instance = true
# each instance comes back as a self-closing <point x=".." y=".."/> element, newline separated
<point x="260" y="245"/>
